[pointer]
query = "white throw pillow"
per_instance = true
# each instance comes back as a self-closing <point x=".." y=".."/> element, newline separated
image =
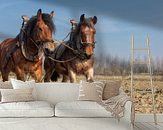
<point x="18" y="84"/>
<point x="16" y="95"/>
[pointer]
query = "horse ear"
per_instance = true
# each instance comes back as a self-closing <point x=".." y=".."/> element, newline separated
<point x="52" y="14"/>
<point x="94" y="20"/>
<point x="39" y="15"/>
<point x="82" y="18"/>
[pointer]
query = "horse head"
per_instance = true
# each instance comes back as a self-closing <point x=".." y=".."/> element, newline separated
<point x="87" y="32"/>
<point x="43" y="30"/>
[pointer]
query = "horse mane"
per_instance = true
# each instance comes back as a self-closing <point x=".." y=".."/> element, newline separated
<point x="33" y="20"/>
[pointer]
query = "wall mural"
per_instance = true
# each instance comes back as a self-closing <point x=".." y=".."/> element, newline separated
<point x="69" y="41"/>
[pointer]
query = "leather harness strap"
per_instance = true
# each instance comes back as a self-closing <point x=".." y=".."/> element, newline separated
<point x="9" y="57"/>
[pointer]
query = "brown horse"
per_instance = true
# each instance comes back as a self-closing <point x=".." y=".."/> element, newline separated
<point x="76" y="54"/>
<point x="23" y="54"/>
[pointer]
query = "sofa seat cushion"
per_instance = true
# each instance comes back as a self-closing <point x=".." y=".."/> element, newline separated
<point x="26" y="109"/>
<point x="80" y="109"/>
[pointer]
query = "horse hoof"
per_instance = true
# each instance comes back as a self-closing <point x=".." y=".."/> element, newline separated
<point x="90" y="80"/>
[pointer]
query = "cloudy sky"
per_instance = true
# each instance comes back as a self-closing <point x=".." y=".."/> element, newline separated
<point x="117" y="20"/>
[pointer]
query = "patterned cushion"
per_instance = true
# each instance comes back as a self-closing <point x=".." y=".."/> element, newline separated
<point x="111" y="89"/>
<point x="91" y="91"/>
<point x="16" y="95"/>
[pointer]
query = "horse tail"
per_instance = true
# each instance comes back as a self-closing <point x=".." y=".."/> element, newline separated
<point x="55" y="76"/>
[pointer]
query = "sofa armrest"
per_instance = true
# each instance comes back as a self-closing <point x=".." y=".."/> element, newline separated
<point x="128" y="108"/>
<point x="128" y="118"/>
<point x="127" y="112"/>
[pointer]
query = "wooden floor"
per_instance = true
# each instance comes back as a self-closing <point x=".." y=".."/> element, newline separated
<point x="148" y="126"/>
<point x="146" y="122"/>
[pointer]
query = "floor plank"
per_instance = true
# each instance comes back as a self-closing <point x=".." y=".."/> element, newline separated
<point x="161" y="124"/>
<point x="148" y="126"/>
<point x="136" y="128"/>
<point x="141" y="126"/>
<point x="151" y="126"/>
<point x="158" y="125"/>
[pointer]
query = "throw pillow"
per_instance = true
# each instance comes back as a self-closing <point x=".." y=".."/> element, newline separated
<point x="16" y="95"/>
<point x="91" y="91"/>
<point x="18" y="84"/>
<point x="111" y="89"/>
<point x="5" y="85"/>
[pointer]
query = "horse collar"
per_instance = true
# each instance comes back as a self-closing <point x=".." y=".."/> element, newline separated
<point x="28" y="57"/>
<point x="21" y="43"/>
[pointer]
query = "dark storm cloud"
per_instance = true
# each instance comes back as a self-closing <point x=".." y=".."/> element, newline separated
<point x="145" y="12"/>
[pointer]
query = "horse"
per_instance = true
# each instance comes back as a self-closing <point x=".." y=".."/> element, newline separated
<point x="23" y="54"/>
<point x="75" y="56"/>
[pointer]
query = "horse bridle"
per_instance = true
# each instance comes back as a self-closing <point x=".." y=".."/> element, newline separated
<point x="83" y="45"/>
<point x="37" y="43"/>
<point x="87" y="44"/>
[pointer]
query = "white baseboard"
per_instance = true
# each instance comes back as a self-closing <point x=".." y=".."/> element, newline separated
<point x="148" y="117"/>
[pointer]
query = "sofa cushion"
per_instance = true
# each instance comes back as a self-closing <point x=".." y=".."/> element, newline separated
<point x="91" y="91"/>
<point x="26" y="109"/>
<point x="55" y="92"/>
<point x="5" y="85"/>
<point x="80" y="109"/>
<point x="16" y="95"/>
<point x="18" y="84"/>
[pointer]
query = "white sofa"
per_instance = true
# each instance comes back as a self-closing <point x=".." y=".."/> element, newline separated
<point x="57" y="108"/>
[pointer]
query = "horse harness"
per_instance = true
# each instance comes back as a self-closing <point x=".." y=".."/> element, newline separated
<point x="77" y="51"/>
<point x="37" y="43"/>
<point x="20" y="44"/>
